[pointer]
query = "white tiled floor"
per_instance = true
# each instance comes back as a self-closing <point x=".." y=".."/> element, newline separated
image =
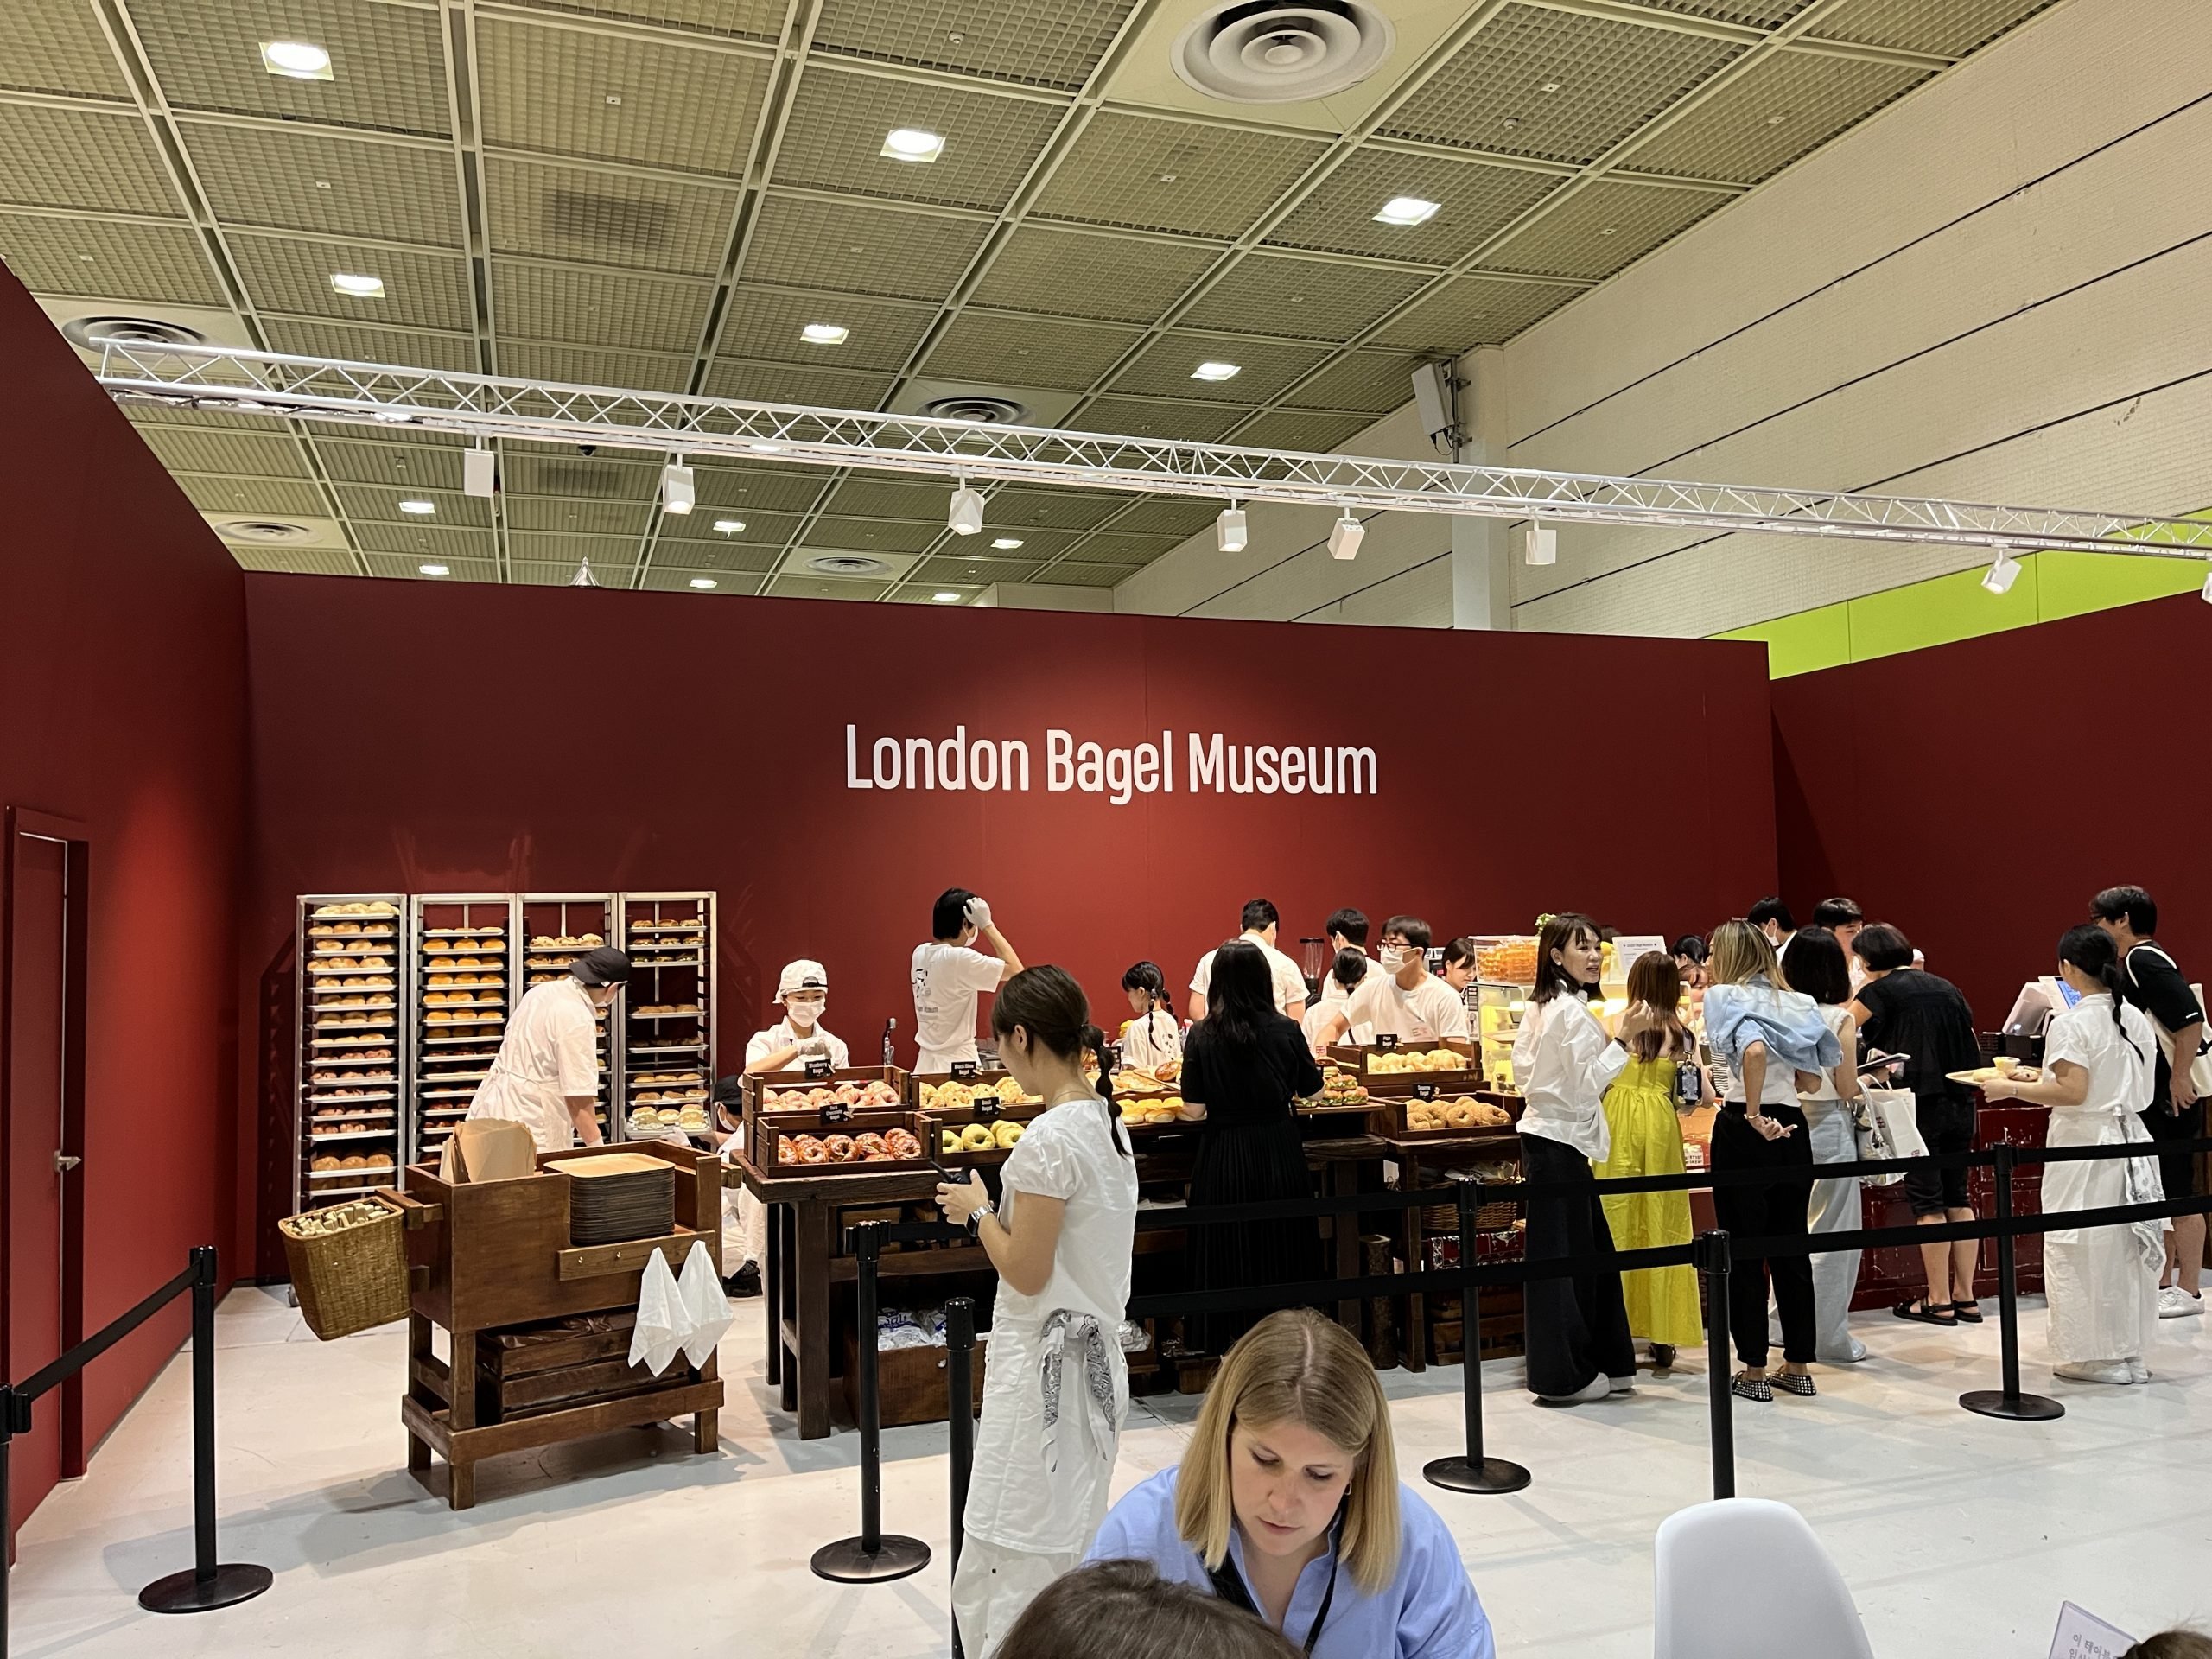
<point x="1960" y="1536"/>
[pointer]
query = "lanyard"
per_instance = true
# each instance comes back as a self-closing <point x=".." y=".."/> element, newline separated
<point x="1229" y="1584"/>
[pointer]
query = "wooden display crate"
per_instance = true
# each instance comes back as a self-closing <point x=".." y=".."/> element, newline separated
<point x="1392" y="1110"/>
<point x="1359" y="1059"/>
<point x="941" y="1120"/>
<point x="783" y="1082"/>
<point x="910" y="1383"/>
<point x="767" y="1132"/>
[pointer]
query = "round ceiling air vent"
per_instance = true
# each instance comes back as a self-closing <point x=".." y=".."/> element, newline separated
<point x="980" y="407"/>
<point x="846" y="564"/>
<point x="263" y="530"/>
<point x="1282" y="51"/>
<point x="89" y="334"/>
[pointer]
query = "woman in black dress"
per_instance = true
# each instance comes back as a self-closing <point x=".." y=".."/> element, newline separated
<point x="1246" y="1064"/>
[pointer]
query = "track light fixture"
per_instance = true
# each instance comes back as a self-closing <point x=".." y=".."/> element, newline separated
<point x="1345" y="536"/>
<point x="479" y="471"/>
<point x="1230" y="528"/>
<point x="967" y="515"/>
<point x="2206" y="593"/>
<point x="678" y="491"/>
<point x="2003" y="572"/>
<point x="1541" y="546"/>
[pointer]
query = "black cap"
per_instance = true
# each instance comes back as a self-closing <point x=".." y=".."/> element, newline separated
<point x="604" y="966"/>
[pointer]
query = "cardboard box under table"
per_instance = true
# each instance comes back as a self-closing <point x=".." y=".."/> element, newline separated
<point x="487" y="1257"/>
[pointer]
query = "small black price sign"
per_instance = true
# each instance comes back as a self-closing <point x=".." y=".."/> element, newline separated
<point x="1386" y="1040"/>
<point x="819" y="1068"/>
<point x="964" y="1071"/>
<point x="836" y="1112"/>
<point x="1424" y="1091"/>
<point x="986" y="1109"/>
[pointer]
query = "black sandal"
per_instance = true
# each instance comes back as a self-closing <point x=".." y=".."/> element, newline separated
<point x="1926" y="1314"/>
<point x="1747" y="1387"/>
<point x="1797" y="1382"/>
<point x="1967" y="1313"/>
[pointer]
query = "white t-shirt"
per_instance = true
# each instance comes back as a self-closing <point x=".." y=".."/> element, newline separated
<point x="946" y="979"/>
<point x="1427" y="1014"/>
<point x="2120" y="1076"/>
<point x="1332" y="992"/>
<point x="1289" y="978"/>
<point x="784" y="1035"/>
<point x="1151" y="1039"/>
<point x="1069" y="1153"/>
<point x="550" y="1054"/>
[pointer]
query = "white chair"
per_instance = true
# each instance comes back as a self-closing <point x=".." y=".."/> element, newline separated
<point x="1743" y="1577"/>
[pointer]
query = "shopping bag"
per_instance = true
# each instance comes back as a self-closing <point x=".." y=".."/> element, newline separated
<point x="662" y="1322"/>
<point x="1888" y="1126"/>
<point x="706" y="1309"/>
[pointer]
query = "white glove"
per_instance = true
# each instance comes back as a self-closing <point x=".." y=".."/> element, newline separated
<point x="979" y="913"/>
<point x="815" y="1045"/>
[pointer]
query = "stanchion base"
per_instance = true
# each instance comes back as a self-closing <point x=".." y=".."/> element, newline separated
<point x="2021" y="1408"/>
<point x="187" y="1593"/>
<point x="1490" y="1475"/>
<point x="846" y="1562"/>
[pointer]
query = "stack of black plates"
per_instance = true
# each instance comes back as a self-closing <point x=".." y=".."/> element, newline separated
<point x="622" y="1195"/>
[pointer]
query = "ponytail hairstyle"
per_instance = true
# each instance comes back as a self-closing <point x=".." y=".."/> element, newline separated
<point x="1046" y="1002"/>
<point x="2089" y="950"/>
<point x="1146" y="977"/>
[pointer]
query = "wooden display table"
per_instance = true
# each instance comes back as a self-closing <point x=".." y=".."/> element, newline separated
<point x="490" y="1255"/>
<point x="1421" y="1159"/>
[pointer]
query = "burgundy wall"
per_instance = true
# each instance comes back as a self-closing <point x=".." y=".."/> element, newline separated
<point x="1976" y="794"/>
<point x="422" y="737"/>
<point x="122" y="707"/>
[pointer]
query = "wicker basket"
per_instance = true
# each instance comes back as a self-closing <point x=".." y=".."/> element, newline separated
<point x="350" y="1280"/>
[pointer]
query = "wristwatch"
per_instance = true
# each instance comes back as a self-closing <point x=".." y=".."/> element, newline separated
<point x="976" y="1224"/>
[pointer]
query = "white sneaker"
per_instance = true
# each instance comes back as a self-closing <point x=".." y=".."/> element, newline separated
<point x="2137" y="1370"/>
<point x="1621" y="1384"/>
<point x="1596" y="1388"/>
<point x="2175" y="1303"/>
<point x="2115" y="1372"/>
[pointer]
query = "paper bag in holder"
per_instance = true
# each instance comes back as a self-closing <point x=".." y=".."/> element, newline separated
<point x="487" y="1149"/>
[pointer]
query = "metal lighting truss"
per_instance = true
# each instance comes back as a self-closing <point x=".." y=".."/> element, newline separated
<point x="309" y="388"/>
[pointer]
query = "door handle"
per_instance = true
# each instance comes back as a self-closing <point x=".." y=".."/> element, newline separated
<point x="63" y="1163"/>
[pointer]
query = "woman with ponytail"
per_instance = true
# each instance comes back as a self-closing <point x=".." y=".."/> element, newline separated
<point x="1056" y="1387"/>
<point x="2098" y="1060"/>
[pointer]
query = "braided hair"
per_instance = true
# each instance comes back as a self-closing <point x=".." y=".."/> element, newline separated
<point x="1146" y="977"/>
<point x="2089" y="950"/>
<point x="1046" y="1002"/>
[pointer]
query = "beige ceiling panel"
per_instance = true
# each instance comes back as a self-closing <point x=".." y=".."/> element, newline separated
<point x="366" y="502"/>
<point x="957" y="569"/>
<point x="764" y="325"/>
<point x="861" y="248"/>
<point x="403" y="466"/>
<point x="1113" y="545"/>
<point x="872" y="495"/>
<point x="426" y="541"/>
<point x="876" y="535"/>
<point x="421" y="290"/>
<point x="1780" y="110"/>
<point x="737" y="558"/>
<point x="1090" y="575"/>
<point x="754" y="493"/>
<point x="825" y="587"/>
<point x="410" y="349"/>
<point x="1036" y="544"/>
<point x="387" y="62"/>
<point x="695" y="538"/>
<point x="789" y="382"/>
<point x="605" y="552"/>
<point x="1951" y="28"/>
<point x="1607" y="77"/>
<point x="403" y="565"/>
<point x="833" y="139"/>
<point x="1055" y="509"/>
<point x="56" y="45"/>
<point x="576" y="517"/>
<point x="1136" y="417"/>
<point x="593" y="477"/>
<point x="1167" y="515"/>
<point x="1308" y="299"/>
<point x="1473" y="201"/>
<point x="758" y="20"/>
<point x="1755" y="14"/>
<point x="1000" y="347"/>
<point x="1473" y="311"/>
<point x="1599" y="230"/>
<point x="1092" y="274"/>
<point x="295" y="562"/>
<point x="338" y="187"/>
<point x="599" y="218"/>
<point x="1264" y="367"/>
<point x="580" y="365"/>
<point x="1375" y="381"/>
<point x="589" y="307"/>
<point x="140" y="262"/>
<point x="1307" y="431"/>
<point x="582" y="92"/>
<point x="80" y="158"/>
<point x="1174" y="175"/>
<point x="276" y="498"/>
<point x="1044" y="42"/>
<point x="612" y="573"/>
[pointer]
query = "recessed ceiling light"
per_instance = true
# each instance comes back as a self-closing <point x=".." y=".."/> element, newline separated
<point x="1406" y="210"/>
<point x="729" y="526"/>
<point x="912" y="144"/>
<point x="944" y="598"/>
<point x="1778" y="119"/>
<point x="295" y="60"/>
<point x="431" y="569"/>
<point x="704" y="581"/>
<point x="1007" y="544"/>
<point x="421" y="509"/>
<point x="360" y="285"/>
<point x="1549" y="86"/>
<point x="825" y="333"/>
<point x="1217" y="372"/>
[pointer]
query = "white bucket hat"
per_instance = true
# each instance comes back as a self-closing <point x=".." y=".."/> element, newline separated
<point x="802" y="975"/>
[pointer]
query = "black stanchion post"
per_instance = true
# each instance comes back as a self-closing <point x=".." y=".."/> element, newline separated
<point x="1473" y="1472"/>
<point x="1713" y="1260"/>
<point x="207" y="1586"/>
<point x="872" y="1557"/>
<point x="2007" y="1401"/>
<point x="10" y="1405"/>
<point x="960" y="1418"/>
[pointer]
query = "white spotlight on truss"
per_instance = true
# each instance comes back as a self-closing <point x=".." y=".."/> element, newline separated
<point x="1230" y="530"/>
<point x="479" y="472"/>
<point x="678" y="491"/>
<point x="2003" y="572"/>
<point x="583" y="578"/>
<point x="2206" y="595"/>
<point x="1541" y="546"/>
<point x="1345" y="536"/>
<point x="966" y="517"/>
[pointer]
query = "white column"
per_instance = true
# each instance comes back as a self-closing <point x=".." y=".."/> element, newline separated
<point x="1481" y="565"/>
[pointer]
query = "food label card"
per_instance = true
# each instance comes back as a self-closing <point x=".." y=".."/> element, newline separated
<point x="2084" y="1635"/>
<point x="965" y="1071"/>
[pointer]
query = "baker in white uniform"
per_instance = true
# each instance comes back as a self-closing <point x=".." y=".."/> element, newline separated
<point x="1260" y="923"/>
<point x="546" y="1076"/>
<point x="948" y="974"/>
<point x="1347" y="930"/>
<point x="1405" y="999"/>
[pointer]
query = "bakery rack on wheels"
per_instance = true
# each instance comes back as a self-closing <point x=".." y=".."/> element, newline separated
<point x="667" y="1010"/>
<point x="556" y="928"/>
<point x="489" y="1257"/>
<point x="462" y="966"/>
<point x="349" y="1046"/>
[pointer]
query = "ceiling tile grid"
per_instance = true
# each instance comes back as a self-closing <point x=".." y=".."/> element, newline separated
<point x="1138" y="417"/>
<point x="612" y="573"/>
<point x="1603" y="227"/>
<point x="411" y="348"/>
<point x="1008" y="349"/>
<point x="763" y="324"/>
<point x="365" y="502"/>
<point x="1076" y="273"/>
<point x="756" y="20"/>
<point x="136" y="262"/>
<point x="81" y="158"/>
<point x="422" y="289"/>
<point x="276" y="498"/>
<point x="1783" y="108"/>
<point x="1473" y="311"/>
<point x="593" y="216"/>
<point x="1473" y="201"/>
<point x="586" y="307"/>
<point x="563" y="513"/>
<point x="1263" y="368"/>
<point x="1157" y="175"/>
<point x="1043" y="42"/>
<point x="57" y="48"/>
<point x="403" y="565"/>
<point x="319" y="182"/>
<point x="805" y="242"/>
<point x="833" y="139"/>
<point x="199" y="449"/>
<point x="295" y="562"/>
<point x="793" y="383"/>
<point x="582" y="366"/>
<point x="1950" y="28"/>
<point x="432" y="542"/>
<point x="1376" y="382"/>
<point x="1325" y="300"/>
<point x="387" y="62"/>
<point x="1308" y="431"/>
<point x="401" y="465"/>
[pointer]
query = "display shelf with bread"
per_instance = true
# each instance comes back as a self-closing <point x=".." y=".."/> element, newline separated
<point x="557" y="928"/>
<point x="462" y="986"/>
<point x="348" y="1037"/>
<point x="666" y="1013"/>
<point x="874" y="1141"/>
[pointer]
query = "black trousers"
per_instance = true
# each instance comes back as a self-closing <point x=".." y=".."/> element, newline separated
<point x="1576" y="1328"/>
<point x="1766" y="1210"/>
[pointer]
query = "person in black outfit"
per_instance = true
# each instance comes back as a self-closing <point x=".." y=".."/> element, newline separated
<point x="2152" y="980"/>
<point x="1245" y="1063"/>
<point x="1901" y="1009"/>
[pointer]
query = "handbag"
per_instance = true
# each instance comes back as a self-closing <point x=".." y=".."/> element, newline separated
<point x="2200" y="1068"/>
<point x="1887" y="1125"/>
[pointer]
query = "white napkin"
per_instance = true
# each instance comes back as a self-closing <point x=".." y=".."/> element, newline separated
<point x="705" y="1307"/>
<point x="662" y="1322"/>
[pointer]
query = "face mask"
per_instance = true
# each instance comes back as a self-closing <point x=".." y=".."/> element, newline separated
<point x="804" y="1013"/>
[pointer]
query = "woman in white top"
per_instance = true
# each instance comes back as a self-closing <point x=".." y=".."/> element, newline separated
<point x="1577" y="1338"/>
<point x="1056" y="1387"/>
<point x="1815" y="964"/>
<point x="1328" y="1019"/>
<point x="1152" y="1038"/>
<point x="2098" y="1057"/>
<point x="803" y="990"/>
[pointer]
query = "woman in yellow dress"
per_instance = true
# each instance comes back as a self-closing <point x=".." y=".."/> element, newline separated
<point x="1662" y="1079"/>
